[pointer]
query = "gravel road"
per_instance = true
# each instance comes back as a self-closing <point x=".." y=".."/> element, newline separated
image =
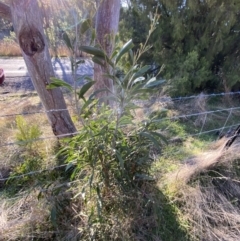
<point x="18" y="80"/>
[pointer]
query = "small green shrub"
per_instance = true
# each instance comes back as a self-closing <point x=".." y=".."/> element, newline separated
<point x="111" y="155"/>
<point x="26" y="133"/>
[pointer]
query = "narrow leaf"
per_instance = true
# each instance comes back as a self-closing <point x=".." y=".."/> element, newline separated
<point x="152" y="139"/>
<point x="126" y="47"/>
<point x="139" y="79"/>
<point x="93" y="36"/>
<point x="58" y="83"/>
<point x="162" y="137"/>
<point x="93" y="51"/>
<point x="125" y="120"/>
<point x="119" y="157"/>
<point x="98" y="60"/>
<point x="67" y="41"/>
<point x="97" y="92"/>
<point x="54" y="216"/>
<point x="86" y="24"/>
<point x="141" y="71"/>
<point x="131" y="56"/>
<point x="153" y="83"/>
<point x="87" y="103"/>
<point x="114" y="53"/>
<point x="85" y="88"/>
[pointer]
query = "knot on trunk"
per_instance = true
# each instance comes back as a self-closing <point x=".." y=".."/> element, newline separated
<point x="31" y="40"/>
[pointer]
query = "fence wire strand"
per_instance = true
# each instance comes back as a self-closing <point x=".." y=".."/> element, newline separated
<point x="159" y="100"/>
<point x="174" y="118"/>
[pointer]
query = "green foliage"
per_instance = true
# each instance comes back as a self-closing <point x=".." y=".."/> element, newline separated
<point x="198" y="56"/>
<point x="193" y="73"/>
<point x="58" y="83"/>
<point x="111" y="154"/>
<point x="26" y="133"/>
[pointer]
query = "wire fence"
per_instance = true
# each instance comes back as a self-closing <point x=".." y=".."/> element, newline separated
<point x="226" y="124"/>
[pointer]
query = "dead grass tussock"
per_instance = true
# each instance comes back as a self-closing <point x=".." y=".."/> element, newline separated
<point x="207" y="190"/>
<point x="18" y="217"/>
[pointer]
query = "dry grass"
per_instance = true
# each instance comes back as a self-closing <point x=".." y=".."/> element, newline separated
<point x="20" y="216"/>
<point x="207" y="190"/>
<point x="12" y="49"/>
<point x="9" y="49"/>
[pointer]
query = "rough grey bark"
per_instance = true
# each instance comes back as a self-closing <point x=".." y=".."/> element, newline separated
<point x="28" y="26"/>
<point x="106" y="27"/>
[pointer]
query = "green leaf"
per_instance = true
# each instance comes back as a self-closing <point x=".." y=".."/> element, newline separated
<point x="132" y="70"/>
<point x="58" y="83"/>
<point x="131" y="56"/>
<point x="86" y="24"/>
<point x="119" y="157"/>
<point x="93" y="51"/>
<point x="114" y="53"/>
<point x="152" y="139"/>
<point x="162" y="137"/>
<point x="85" y="88"/>
<point x="125" y="120"/>
<point x="126" y="47"/>
<point x="141" y="71"/>
<point x="67" y="41"/>
<point x="87" y="103"/>
<point x="97" y="92"/>
<point x="54" y="216"/>
<point x="93" y="36"/>
<point x="139" y="79"/>
<point x="98" y="60"/>
<point x="153" y="82"/>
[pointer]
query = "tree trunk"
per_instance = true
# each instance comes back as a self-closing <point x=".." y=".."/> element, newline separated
<point x="106" y="28"/>
<point x="28" y="26"/>
<point x="5" y="12"/>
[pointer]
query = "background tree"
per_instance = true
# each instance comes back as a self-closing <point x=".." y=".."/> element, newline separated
<point x="196" y="40"/>
<point x="28" y="26"/>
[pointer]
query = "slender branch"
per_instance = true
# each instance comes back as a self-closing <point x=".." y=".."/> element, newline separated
<point x="5" y="12"/>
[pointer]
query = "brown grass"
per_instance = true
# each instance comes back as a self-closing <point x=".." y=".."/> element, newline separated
<point x="207" y="190"/>
<point x="19" y="216"/>
<point x="10" y="49"/>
